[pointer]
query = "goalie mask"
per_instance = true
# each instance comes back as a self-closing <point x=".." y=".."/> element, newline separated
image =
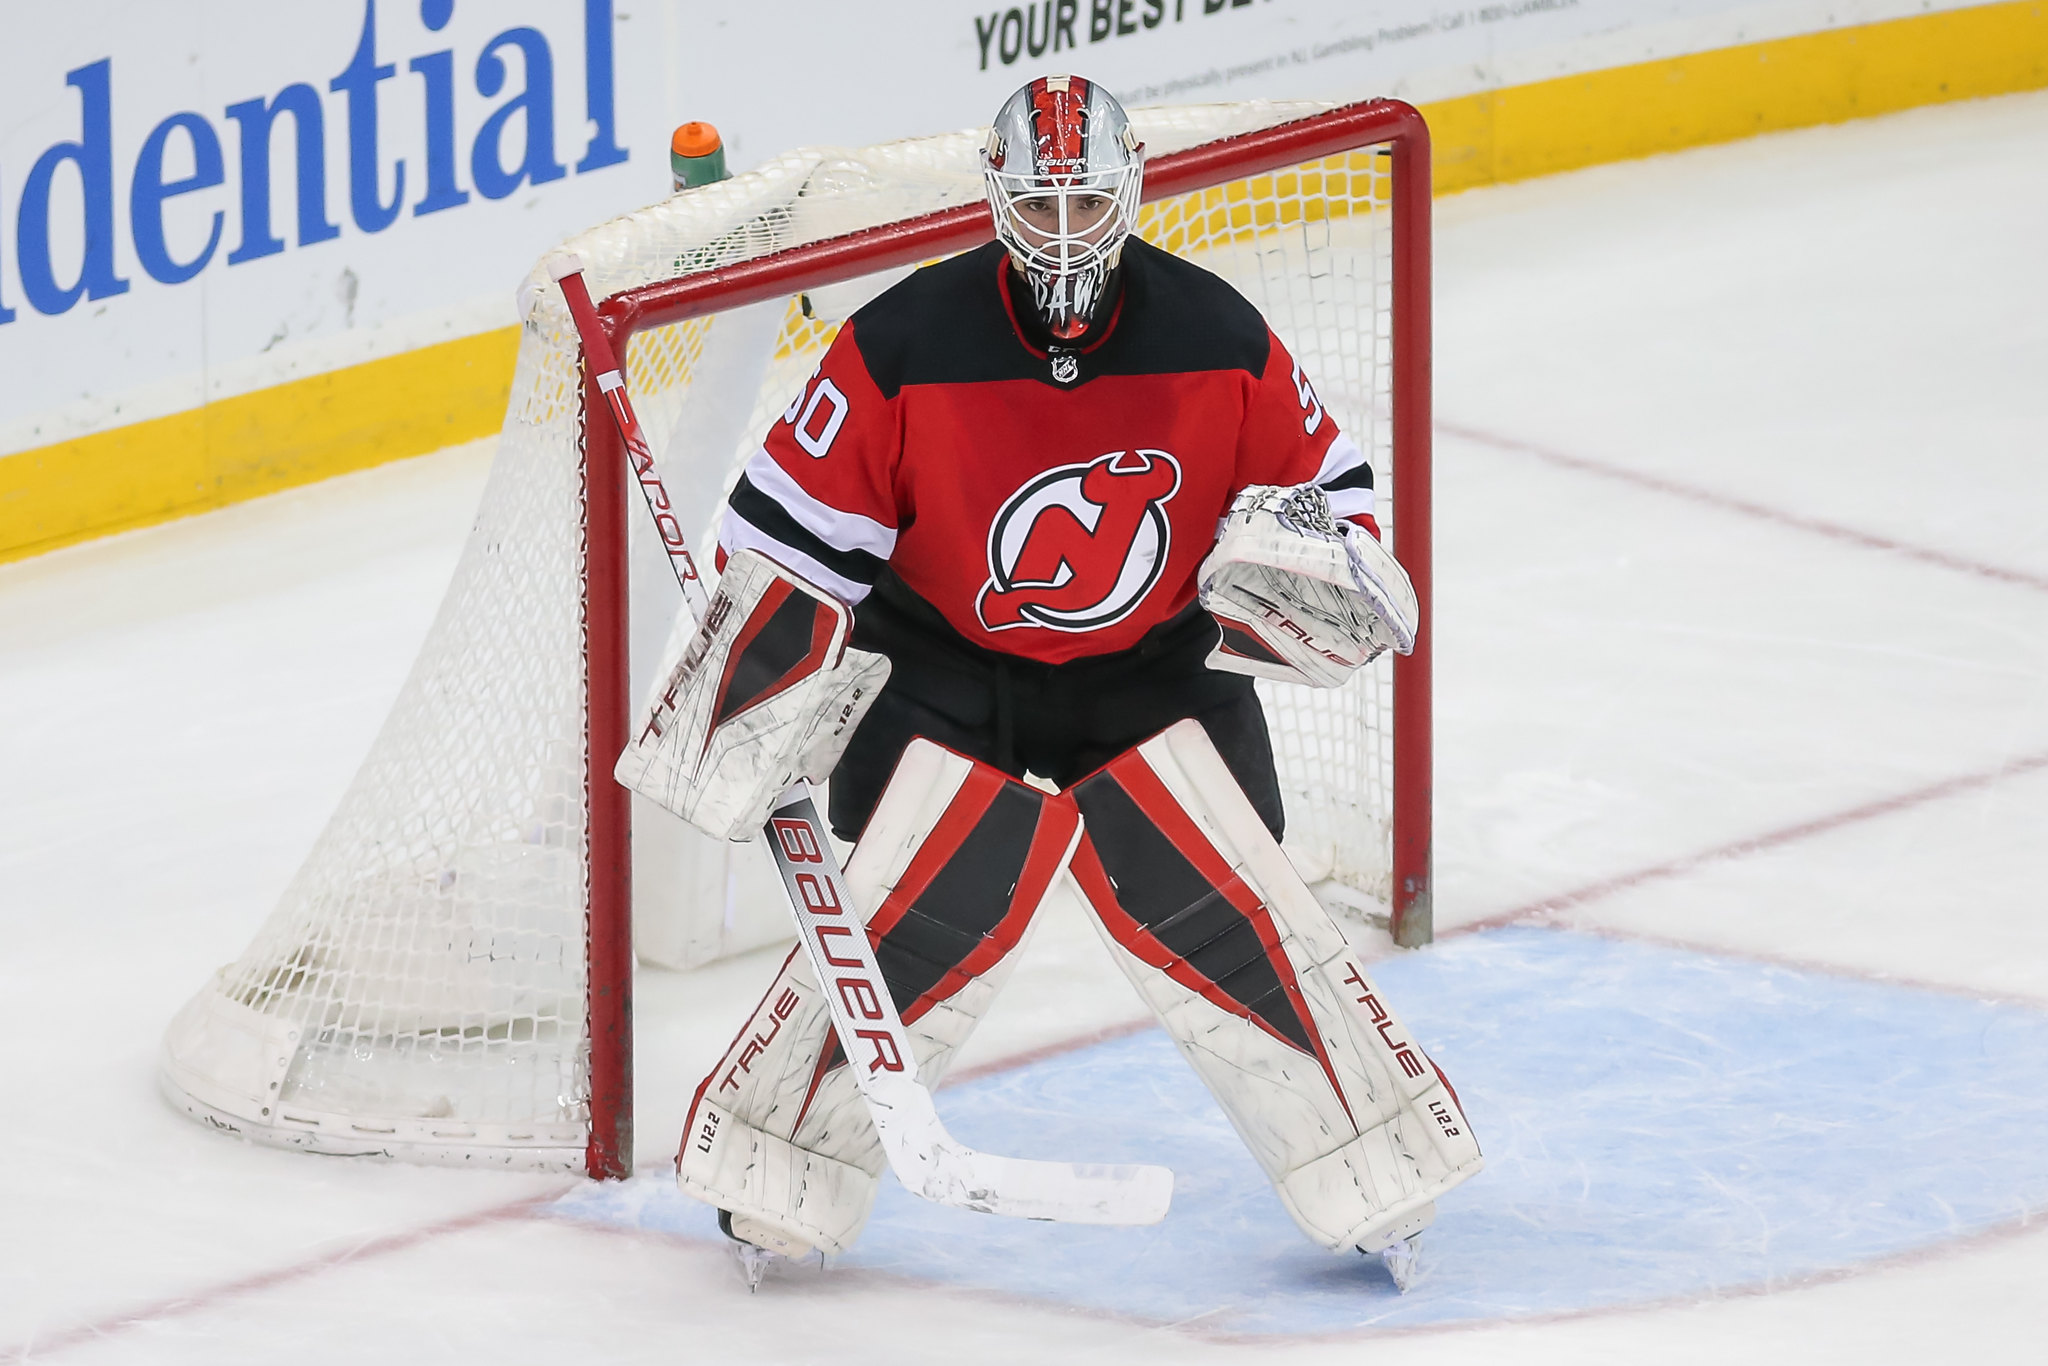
<point x="1064" y="170"/>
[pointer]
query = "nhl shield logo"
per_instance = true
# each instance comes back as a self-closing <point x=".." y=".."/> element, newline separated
<point x="1080" y="546"/>
<point x="1066" y="367"/>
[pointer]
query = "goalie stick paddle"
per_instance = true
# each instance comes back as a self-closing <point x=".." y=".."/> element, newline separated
<point x="928" y="1161"/>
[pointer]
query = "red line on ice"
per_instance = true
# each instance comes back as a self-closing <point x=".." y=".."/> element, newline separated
<point x="2019" y="1226"/>
<point x="1544" y="907"/>
<point x="199" y="1300"/>
<point x="1658" y="483"/>
<point x="1051" y="1050"/>
<point x="1756" y="844"/>
<point x="177" y="1306"/>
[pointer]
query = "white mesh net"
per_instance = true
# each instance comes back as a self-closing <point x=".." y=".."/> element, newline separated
<point x="420" y="989"/>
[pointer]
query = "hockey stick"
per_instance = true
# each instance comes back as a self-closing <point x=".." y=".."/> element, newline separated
<point x="928" y="1161"/>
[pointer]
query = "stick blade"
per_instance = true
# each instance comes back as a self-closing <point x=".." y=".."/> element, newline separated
<point x="1067" y="1192"/>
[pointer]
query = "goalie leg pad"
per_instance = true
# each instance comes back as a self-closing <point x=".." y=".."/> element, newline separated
<point x="1357" y="1129"/>
<point x="955" y="861"/>
<point x="766" y="692"/>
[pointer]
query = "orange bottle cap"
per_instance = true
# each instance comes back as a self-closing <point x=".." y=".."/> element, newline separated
<point x="695" y="139"/>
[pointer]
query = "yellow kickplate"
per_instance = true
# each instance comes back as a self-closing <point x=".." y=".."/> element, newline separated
<point x="257" y="443"/>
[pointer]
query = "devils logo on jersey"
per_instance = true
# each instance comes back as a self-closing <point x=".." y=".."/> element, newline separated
<point x="1079" y="547"/>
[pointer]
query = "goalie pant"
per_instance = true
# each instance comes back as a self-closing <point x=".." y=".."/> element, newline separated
<point x="1060" y="721"/>
<point x="1357" y="1129"/>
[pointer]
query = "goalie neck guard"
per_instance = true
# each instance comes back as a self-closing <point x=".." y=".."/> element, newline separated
<point x="1063" y="170"/>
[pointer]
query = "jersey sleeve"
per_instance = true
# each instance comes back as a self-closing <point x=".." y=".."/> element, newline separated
<point x="818" y="496"/>
<point x="1290" y="438"/>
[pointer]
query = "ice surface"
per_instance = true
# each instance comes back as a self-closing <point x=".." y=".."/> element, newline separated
<point x="1843" y="326"/>
<point x="1659" y="1124"/>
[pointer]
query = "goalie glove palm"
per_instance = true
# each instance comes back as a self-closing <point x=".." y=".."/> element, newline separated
<point x="1301" y="597"/>
<point x="766" y="693"/>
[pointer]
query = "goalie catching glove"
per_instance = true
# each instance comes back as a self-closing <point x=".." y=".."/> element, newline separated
<point x="766" y="694"/>
<point x="1300" y="596"/>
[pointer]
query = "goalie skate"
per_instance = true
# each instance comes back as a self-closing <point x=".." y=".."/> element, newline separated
<point x="1400" y="1258"/>
<point x="759" y="1246"/>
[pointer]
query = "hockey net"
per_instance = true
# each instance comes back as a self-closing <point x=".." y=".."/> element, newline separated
<point x="446" y="977"/>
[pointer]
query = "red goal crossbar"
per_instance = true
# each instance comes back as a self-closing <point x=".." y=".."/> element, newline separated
<point x="607" y="488"/>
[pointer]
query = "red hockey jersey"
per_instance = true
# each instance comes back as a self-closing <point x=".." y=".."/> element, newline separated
<point x="1050" y="504"/>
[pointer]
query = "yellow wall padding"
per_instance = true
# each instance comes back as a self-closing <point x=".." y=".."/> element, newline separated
<point x="256" y="443"/>
<point x="1737" y="92"/>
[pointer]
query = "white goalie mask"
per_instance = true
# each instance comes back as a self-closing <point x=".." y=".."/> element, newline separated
<point x="1064" y="171"/>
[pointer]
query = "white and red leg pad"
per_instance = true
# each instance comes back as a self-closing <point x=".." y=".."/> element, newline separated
<point x="1356" y="1127"/>
<point x="955" y="861"/>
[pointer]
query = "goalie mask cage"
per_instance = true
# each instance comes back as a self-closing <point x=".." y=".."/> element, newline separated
<point x="448" y="977"/>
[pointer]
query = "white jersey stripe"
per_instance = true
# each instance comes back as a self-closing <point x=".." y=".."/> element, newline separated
<point x="1343" y="456"/>
<point x="840" y="530"/>
<point x="1351" y="503"/>
<point x="736" y="533"/>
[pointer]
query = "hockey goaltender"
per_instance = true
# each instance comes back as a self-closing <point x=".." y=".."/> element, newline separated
<point x="1015" y="465"/>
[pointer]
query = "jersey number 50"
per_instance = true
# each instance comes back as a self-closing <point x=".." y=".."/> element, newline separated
<point x="1310" y="404"/>
<point x="812" y="433"/>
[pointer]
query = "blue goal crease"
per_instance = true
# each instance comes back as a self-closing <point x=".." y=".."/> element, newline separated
<point x="1658" y="1123"/>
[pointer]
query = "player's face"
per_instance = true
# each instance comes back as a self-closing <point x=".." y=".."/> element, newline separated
<point x="1088" y="216"/>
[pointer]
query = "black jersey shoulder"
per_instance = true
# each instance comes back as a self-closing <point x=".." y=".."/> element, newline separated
<point x="1187" y="319"/>
<point x="946" y="324"/>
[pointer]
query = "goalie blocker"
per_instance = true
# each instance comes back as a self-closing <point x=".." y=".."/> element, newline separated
<point x="1357" y="1129"/>
<point x="766" y="693"/>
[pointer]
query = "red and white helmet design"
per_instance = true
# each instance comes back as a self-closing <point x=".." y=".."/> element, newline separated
<point x="1064" y="171"/>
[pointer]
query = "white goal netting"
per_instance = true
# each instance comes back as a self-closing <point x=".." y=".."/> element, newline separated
<point x="420" y="990"/>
